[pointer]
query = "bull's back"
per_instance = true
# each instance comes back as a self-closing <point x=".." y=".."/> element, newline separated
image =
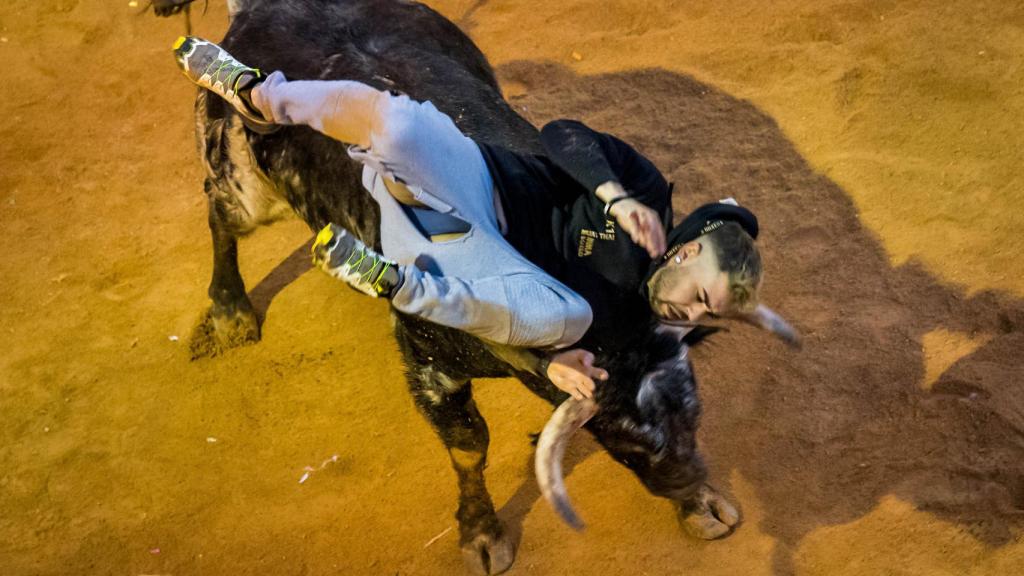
<point x="388" y="44"/>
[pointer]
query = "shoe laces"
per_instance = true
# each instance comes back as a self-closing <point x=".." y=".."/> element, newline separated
<point x="224" y="70"/>
<point x="375" y="279"/>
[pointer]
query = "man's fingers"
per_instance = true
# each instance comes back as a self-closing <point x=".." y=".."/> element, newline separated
<point x="568" y="384"/>
<point x="653" y="245"/>
<point x="586" y="387"/>
<point x="645" y="227"/>
<point x="658" y="233"/>
<point x="596" y="373"/>
<point x="645" y="230"/>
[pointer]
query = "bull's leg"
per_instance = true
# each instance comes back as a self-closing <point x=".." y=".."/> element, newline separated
<point x="450" y="408"/>
<point x="231" y="320"/>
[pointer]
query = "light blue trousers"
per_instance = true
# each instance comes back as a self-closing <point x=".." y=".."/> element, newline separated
<point x="477" y="283"/>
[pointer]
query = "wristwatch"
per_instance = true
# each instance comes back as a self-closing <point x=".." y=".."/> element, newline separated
<point x="608" y="205"/>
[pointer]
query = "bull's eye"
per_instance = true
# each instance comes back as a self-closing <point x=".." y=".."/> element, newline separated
<point x="632" y="461"/>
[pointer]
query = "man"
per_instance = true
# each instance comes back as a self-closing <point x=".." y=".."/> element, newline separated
<point x="474" y="236"/>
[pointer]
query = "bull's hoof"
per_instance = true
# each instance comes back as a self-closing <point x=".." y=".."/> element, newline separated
<point x="489" y="554"/>
<point x="222" y="329"/>
<point x="708" y="515"/>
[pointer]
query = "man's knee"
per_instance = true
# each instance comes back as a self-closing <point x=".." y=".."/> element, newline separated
<point x="400" y="127"/>
<point x="578" y="318"/>
<point x="548" y="316"/>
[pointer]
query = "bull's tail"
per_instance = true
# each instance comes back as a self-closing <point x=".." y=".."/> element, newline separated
<point x="172" y="7"/>
<point x="184" y="7"/>
<point x="167" y="8"/>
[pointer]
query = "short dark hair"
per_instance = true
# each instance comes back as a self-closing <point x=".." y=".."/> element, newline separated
<point x="738" y="257"/>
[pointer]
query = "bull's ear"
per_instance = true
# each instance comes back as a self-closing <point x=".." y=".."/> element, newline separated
<point x="678" y="331"/>
<point x="689" y="334"/>
<point x="699" y="333"/>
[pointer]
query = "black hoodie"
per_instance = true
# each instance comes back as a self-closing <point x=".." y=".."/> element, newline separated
<point x="557" y="222"/>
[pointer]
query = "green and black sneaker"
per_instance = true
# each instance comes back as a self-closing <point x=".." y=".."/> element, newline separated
<point x="343" y="256"/>
<point x="210" y="66"/>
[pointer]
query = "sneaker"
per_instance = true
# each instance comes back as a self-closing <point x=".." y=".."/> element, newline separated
<point x="343" y="256"/>
<point x="211" y="67"/>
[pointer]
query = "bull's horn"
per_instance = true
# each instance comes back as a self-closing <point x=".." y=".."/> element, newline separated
<point x="566" y="420"/>
<point x="765" y="318"/>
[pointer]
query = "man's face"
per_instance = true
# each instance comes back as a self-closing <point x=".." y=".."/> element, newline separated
<point x="689" y="285"/>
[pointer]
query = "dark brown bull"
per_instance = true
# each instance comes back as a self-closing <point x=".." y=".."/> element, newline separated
<point x="649" y="409"/>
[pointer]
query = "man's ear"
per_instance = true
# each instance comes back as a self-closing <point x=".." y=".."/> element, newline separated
<point x="691" y="250"/>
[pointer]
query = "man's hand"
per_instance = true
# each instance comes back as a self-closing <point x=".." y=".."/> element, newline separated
<point x="638" y="220"/>
<point x="573" y="371"/>
<point x="642" y="224"/>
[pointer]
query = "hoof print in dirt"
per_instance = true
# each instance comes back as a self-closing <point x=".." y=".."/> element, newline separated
<point x="486" y="554"/>
<point x="708" y="516"/>
<point x="219" y="331"/>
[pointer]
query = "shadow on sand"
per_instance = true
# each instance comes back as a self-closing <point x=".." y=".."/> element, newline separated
<point x="296" y="264"/>
<point x="824" y="433"/>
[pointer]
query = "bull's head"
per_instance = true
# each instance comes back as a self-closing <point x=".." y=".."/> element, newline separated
<point x="646" y="415"/>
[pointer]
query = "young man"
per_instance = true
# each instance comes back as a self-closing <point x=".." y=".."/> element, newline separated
<point x="474" y="236"/>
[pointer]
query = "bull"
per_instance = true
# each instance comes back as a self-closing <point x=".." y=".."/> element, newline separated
<point x="646" y="416"/>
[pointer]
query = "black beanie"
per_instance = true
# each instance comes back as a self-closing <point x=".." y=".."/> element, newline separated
<point x="707" y="218"/>
<point x="701" y="221"/>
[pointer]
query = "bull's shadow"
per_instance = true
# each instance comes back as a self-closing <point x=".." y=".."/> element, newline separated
<point x="287" y="271"/>
<point x="824" y="433"/>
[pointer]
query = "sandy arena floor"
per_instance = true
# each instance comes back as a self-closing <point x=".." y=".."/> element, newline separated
<point x="879" y="141"/>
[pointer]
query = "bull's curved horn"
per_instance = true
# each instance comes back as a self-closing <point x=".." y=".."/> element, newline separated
<point x="765" y="318"/>
<point x="566" y="420"/>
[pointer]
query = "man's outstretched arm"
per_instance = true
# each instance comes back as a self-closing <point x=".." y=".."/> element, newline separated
<point x="630" y="186"/>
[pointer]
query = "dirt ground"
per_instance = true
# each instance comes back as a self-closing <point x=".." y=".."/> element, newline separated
<point x="879" y="142"/>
